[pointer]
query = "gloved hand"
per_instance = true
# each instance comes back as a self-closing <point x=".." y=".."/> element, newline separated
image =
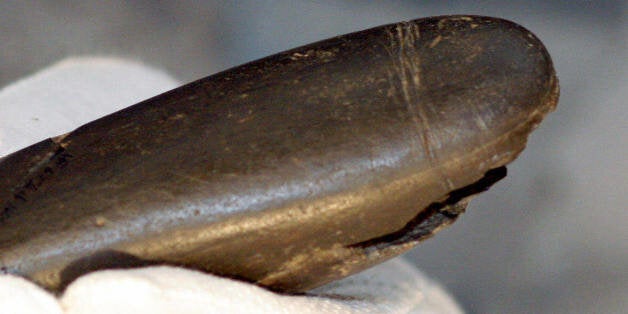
<point x="76" y="91"/>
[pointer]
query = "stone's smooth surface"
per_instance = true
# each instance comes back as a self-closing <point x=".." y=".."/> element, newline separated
<point x="390" y="287"/>
<point x="290" y="171"/>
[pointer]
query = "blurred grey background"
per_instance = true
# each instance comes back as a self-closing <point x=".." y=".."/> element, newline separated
<point x="550" y="238"/>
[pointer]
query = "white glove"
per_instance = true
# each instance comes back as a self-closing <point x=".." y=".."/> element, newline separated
<point x="76" y="91"/>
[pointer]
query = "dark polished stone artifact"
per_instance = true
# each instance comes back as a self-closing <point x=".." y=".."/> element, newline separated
<point x="290" y="171"/>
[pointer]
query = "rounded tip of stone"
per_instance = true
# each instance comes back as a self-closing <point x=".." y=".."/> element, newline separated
<point x="492" y="77"/>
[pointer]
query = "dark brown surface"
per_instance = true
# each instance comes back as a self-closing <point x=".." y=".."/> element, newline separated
<point x="274" y="171"/>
